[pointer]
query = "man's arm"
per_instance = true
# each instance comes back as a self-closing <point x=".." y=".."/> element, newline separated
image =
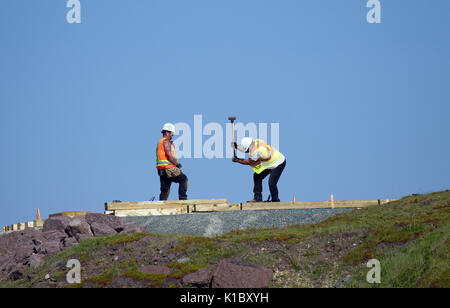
<point x="170" y="156"/>
<point x="247" y="161"/>
<point x="234" y="145"/>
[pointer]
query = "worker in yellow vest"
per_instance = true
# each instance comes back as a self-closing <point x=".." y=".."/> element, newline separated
<point x="168" y="166"/>
<point x="264" y="160"/>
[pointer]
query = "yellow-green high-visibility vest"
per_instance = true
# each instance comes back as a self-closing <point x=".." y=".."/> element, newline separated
<point x="268" y="157"/>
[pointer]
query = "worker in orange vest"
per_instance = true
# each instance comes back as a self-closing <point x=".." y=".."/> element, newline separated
<point x="264" y="160"/>
<point x="168" y="166"/>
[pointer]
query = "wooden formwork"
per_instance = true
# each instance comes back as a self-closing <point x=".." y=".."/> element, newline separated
<point x="70" y="214"/>
<point x="24" y="225"/>
<point x="150" y="208"/>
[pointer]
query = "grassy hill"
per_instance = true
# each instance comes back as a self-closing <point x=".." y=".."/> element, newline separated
<point x="409" y="237"/>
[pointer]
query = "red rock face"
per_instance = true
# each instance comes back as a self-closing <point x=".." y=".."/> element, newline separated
<point x="200" y="279"/>
<point x="234" y="273"/>
<point x="28" y="248"/>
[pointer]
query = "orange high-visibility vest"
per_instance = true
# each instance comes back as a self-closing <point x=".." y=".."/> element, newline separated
<point x="162" y="162"/>
<point x="269" y="156"/>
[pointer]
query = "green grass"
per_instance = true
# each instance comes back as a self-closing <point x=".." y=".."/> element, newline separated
<point x="421" y="263"/>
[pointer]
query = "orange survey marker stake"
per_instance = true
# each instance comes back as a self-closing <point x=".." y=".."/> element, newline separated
<point x="38" y="215"/>
<point x="332" y="201"/>
<point x="293" y="200"/>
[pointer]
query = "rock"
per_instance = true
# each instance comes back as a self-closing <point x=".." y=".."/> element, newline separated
<point x="78" y="226"/>
<point x="8" y="243"/>
<point x="36" y="242"/>
<point x="16" y="275"/>
<point x="102" y="229"/>
<point x="6" y="264"/>
<point x="36" y="260"/>
<point x="48" y="247"/>
<point x="52" y="235"/>
<point x="23" y="251"/>
<point x="68" y="242"/>
<point x="146" y="241"/>
<point x="183" y="260"/>
<point x="3" y="260"/>
<point x="59" y="223"/>
<point x="341" y="283"/>
<point x="79" y="237"/>
<point x="200" y="279"/>
<point x="234" y="273"/>
<point x="132" y="228"/>
<point x="155" y="269"/>
<point x="111" y="221"/>
<point x="47" y="242"/>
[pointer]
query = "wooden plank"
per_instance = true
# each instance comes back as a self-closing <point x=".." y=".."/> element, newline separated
<point x="70" y="213"/>
<point x="268" y="206"/>
<point x="142" y="205"/>
<point x="384" y="201"/>
<point x="161" y="210"/>
<point x="215" y="207"/>
<point x="29" y="225"/>
<point x="39" y="223"/>
<point x="312" y="204"/>
<point x="354" y="203"/>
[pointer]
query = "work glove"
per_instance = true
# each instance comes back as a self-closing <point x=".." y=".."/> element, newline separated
<point x="179" y="166"/>
<point x="235" y="160"/>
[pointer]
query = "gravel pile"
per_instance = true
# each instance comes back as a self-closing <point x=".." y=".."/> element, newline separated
<point x="216" y="223"/>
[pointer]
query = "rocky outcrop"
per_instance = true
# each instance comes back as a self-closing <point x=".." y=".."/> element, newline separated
<point x="28" y="248"/>
<point x="59" y="223"/>
<point x="111" y="221"/>
<point x="99" y="229"/>
<point x="199" y="279"/>
<point x="79" y="228"/>
<point x="235" y="273"/>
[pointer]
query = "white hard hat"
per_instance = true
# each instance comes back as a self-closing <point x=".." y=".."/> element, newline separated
<point x="169" y="127"/>
<point x="245" y="143"/>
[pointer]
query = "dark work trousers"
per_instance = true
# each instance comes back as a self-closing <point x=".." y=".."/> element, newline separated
<point x="273" y="180"/>
<point x="166" y="182"/>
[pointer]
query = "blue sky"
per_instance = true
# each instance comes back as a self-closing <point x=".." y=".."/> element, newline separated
<point x="363" y="108"/>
